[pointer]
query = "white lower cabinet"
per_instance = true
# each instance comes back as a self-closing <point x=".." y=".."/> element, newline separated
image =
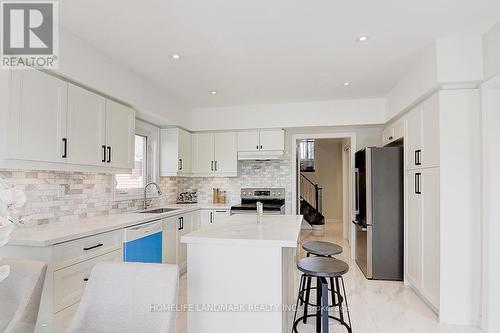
<point x="63" y="318"/>
<point x="213" y="216"/>
<point x="175" y="252"/>
<point x="70" y="282"/>
<point x="423" y="230"/>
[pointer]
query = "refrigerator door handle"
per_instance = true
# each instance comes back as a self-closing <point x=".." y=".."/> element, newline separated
<point x="356" y="191"/>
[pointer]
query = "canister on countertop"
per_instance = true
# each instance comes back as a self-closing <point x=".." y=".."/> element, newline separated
<point x="215" y="195"/>
<point x="222" y="197"/>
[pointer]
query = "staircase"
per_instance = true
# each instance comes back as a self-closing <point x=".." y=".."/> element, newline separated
<point x="311" y="201"/>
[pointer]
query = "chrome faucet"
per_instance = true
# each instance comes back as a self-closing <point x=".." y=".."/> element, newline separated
<point x="146" y="204"/>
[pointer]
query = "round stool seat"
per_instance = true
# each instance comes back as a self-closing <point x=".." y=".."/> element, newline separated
<point x="322" y="267"/>
<point x="320" y="248"/>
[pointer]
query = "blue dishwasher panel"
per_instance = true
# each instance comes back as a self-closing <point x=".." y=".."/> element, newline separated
<point x="145" y="249"/>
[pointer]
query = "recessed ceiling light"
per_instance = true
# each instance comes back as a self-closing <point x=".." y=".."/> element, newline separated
<point x="363" y="38"/>
<point x="346" y="84"/>
<point x="176" y="56"/>
<point x="213" y="92"/>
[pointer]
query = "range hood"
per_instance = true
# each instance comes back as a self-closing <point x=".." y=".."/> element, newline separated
<point x="260" y="155"/>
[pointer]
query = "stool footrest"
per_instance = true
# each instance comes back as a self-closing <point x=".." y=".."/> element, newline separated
<point x="342" y="322"/>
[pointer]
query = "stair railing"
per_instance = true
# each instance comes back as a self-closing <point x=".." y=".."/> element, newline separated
<point x="312" y="193"/>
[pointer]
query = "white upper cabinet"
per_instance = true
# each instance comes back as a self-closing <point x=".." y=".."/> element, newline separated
<point x="203" y="154"/>
<point x="86" y="127"/>
<point x="226" y="155"/>
<point x="248" y="141"/>
<point x="261" y="140"/>
<point x="215" y="154"/>
<point x="67" y="126"/>
<point x="37" y="118"/>
<point x="175" y="151"/>
<point x="272" y="140"/>
<point x="393" y="132"/>
<point x="120" y="135"/>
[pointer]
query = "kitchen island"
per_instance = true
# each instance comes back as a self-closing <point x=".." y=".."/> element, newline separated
<point x="241" y="275"/>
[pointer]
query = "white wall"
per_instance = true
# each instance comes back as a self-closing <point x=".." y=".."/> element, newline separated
<point x="459" y="59"/>
<point x="419" y="80"/>
<point x="323" y="113"/>
<point x="81" y="62"/>
<point x="452" y="60"/>
<point x="492" y="52"/>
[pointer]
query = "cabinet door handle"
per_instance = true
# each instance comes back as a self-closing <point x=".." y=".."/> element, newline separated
<point x="65" y="148"/>
<point x="418" y="178"/>
<point x="109" y="154"/>
<point x="260" y="146"/>
<point x="212" y="165"/>
<point x="180" y="163"/>
<point x="257" y="147"/>
<point x="215" y="165"/>
<point x="86" y="279"/>
<point x="104" y="154"/>
<point x="180" y="224"/>
<point x="211" y="217"/>
<point x="418" y="154"/>
<point x="390" y="138"/>
<point x="221" y="211"/>
<point x="92" y="247"/>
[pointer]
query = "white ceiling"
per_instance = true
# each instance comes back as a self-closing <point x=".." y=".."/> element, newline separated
<point x="271" y="51"/>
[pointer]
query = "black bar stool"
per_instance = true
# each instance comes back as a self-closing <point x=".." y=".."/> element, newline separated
<point x="322" y="268"/>
<point x="320" y="249"/>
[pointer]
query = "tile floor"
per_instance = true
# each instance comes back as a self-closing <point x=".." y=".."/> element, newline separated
<point x="375" y="306"/>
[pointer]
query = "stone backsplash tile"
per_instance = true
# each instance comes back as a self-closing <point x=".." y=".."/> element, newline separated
<point x="54" y="196"/>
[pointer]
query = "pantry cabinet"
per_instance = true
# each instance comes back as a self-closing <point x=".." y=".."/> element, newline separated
<point x="422" y="139"/>
<point x="215" y="154"/>
<point x="423" y="232"/>
<point x="56" y="125"/>
<point x="175" y="152"/>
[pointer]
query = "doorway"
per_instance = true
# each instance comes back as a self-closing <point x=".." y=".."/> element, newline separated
<point x="322" y="179"/>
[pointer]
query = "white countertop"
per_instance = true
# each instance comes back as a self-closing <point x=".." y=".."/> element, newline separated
<point x="54" y="233"/>
<point x="275" y="230"/>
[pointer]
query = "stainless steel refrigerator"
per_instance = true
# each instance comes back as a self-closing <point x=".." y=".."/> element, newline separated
<point x="379" y="212"/>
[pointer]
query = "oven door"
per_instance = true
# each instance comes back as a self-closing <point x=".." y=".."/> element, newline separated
<point x="364" y="248"/>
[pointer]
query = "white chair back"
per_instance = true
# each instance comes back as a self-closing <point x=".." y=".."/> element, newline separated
<point x="20" y="294"/>
<point x="126" y="297"/>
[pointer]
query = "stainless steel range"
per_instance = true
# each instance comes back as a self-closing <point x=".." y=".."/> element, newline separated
<point x="273" y="200"/>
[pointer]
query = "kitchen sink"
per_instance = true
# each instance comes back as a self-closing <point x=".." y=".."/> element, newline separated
<point x="157" y="210"/>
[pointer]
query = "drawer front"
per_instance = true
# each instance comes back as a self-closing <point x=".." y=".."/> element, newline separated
<point x="70" y="253"/>
<point x="70" y="282"/>
<point x="63" y="318"/>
